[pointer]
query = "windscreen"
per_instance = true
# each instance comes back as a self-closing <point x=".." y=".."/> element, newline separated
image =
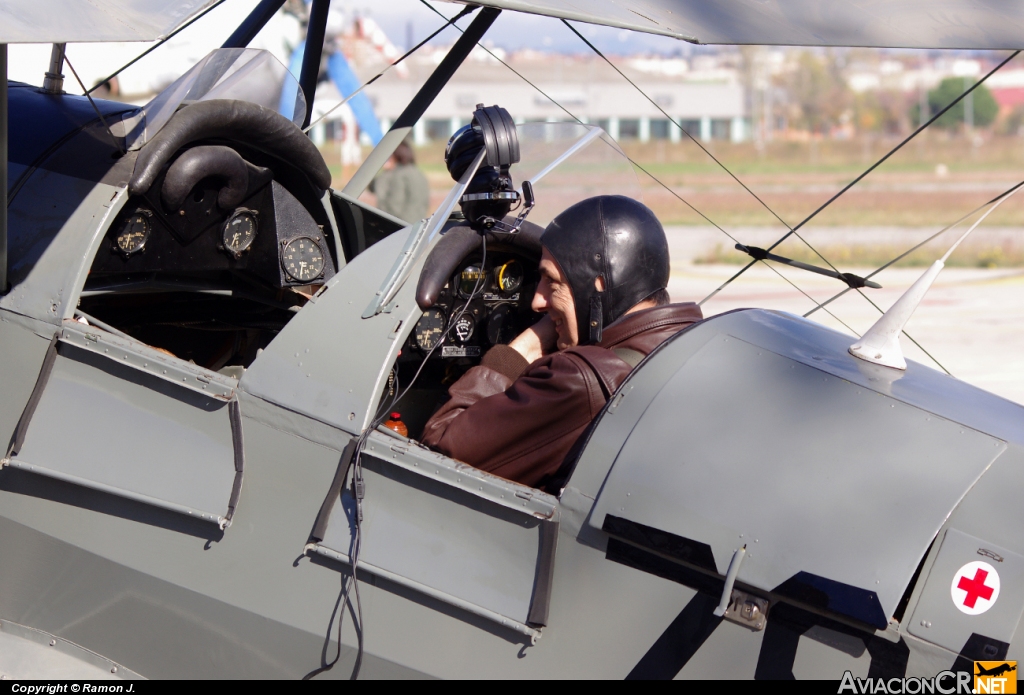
<point x="569" y="162"/>
<point x="246" y="74"/>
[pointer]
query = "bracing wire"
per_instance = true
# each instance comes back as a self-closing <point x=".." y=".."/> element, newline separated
<point x="896" y="149"/>
<point x="704" y="149"/>
<point x="850" y="185"/>
<point x="997" y="200"/>
<point x="915" y="247"/>
<point x="700" y="145"/>
<point x="792" y="230"/>
<point x="673" y="121"/>
<point x="859" y="178"/>
<point x="798" y="289"/>
<point x="155" y="46"/>
<point x="92" y="102"/>
<point x="573" y="116"/>
<point x="662" y="183"/>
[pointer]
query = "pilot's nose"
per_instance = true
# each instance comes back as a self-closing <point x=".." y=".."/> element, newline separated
<point x="540" y="298"/>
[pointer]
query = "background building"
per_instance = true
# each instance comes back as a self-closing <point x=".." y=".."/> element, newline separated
<point x="711" y="106"/>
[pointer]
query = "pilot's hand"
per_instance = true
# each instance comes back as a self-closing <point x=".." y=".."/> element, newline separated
<point x="537" y="340"/>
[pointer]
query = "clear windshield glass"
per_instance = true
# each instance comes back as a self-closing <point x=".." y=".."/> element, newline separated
<point x="246" y="74"/>
<point x="568" y="162"/>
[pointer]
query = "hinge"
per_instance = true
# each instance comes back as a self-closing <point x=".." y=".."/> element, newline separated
<point x="747" y="610"/>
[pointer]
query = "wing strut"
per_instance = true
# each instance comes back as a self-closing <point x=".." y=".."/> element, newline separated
<point x="430" y="89"/>
<point x="253" y="23"/>
<point x="315" y="31"/>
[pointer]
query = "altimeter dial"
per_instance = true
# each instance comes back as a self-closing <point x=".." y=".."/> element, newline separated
<point x="303" y="259"/>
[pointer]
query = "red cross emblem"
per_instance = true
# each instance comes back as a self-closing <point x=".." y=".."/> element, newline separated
<point x="975" y="587"/>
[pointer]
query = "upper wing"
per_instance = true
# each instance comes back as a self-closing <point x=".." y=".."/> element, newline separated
<point x="66" y="21"/>
<point x="970" y="24"/>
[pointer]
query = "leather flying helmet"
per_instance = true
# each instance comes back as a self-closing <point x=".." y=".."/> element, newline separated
<point x="615" y="237"/>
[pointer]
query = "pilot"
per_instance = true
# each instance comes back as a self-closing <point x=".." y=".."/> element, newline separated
<point x="523" y="413"/>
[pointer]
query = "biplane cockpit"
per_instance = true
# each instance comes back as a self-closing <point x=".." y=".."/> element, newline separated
<point x="225" y="234"/>
<point x="202" y="341"/>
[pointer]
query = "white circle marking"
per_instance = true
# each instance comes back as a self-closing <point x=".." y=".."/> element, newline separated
<point x="975" y="587"/>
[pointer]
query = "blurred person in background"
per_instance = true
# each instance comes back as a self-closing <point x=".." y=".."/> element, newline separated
<point x="401" y="188"/>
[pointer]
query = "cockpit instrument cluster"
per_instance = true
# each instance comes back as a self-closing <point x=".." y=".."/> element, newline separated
<point x="271" y="236"/>
<point x="481" y="306"/>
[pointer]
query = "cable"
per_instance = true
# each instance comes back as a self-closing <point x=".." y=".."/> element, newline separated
<point x="358" y="486"/>
<point x="677" y="125"/>
<point x="155" y="46"/>
<point x="917" y="246"/>
<point x="668" y="188"/>
<point x="705" y="150"/>
<point x="380" y="74"/>
<point x="117" y="143"/>
<point x="849" y="186"/>
<point x="779" y="273"/>
<point x="865" y="173"/>
<point x="896" y="149"/>
<point x="662" y="183"/>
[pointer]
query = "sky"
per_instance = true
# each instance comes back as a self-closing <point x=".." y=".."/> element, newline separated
<point x="513" y="30"/>
<point x="404" y="21"/>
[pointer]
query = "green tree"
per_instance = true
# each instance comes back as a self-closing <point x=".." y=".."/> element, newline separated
<point x="985" y="107"/>
<point x="818" y="91"/>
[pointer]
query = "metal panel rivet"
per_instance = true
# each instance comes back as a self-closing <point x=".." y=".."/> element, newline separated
<point x="113" y="669"/>
<point x="53" y="643"/>
<point x="926" y="623"/>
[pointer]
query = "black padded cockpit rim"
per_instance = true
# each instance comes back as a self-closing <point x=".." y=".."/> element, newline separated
<point x="459" y="242"/>
<point x="230" y="119"/>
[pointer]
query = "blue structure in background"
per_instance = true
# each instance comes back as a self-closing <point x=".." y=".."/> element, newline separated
<point x="345" y="80"/>
<point x="286" y="106"/>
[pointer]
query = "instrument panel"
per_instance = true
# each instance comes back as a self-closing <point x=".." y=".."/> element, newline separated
<point x="270" y="236"/>
<point x="480" y="306"/>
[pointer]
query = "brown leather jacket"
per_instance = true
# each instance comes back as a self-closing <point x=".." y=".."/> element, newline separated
<point x="522" y="421"/>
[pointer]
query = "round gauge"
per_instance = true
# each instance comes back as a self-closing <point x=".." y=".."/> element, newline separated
<point x="239" y="231"/>
<point x="302" y="259"/>
<point x="468" y="279"/>
<point x="134" y="234"/>
<point x="463" y="327"/>
<point x="509" y="277"/>
<point x="501" y="326"/>
<point x="429" y="329"/>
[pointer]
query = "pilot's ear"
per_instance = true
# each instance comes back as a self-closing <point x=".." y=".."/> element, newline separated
<point x="599" y="283"/>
